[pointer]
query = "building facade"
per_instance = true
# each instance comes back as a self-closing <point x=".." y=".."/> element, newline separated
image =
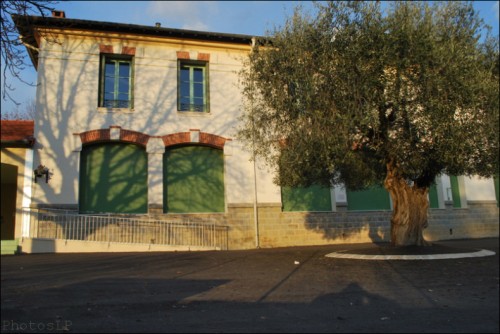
<point x="141" y="121"/>
<point x="16" y="141"/>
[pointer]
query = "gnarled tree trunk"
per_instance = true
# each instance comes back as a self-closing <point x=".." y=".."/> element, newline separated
<point x="409" y="216"/>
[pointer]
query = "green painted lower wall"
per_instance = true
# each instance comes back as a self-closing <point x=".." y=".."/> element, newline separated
<point x="433" y="197"/>
<point x="193" y="180"/>
<point x="314" y="198"/>
<point x="373" y="198"/>
<point x="113" y="179"/>
<point x="455" y="191"/>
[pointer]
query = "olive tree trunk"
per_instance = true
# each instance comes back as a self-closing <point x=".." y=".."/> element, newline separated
<point x="409" y="216"/>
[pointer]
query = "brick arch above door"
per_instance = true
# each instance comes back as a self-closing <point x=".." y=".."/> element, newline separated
<point x="195" y="137"/>
<point x="114" y="133"/>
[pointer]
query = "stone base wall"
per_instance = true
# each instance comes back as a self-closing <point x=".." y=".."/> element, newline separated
<point x="283" y="229"/>
<point x="478" y="220"/>
<point x="276" y="228"/>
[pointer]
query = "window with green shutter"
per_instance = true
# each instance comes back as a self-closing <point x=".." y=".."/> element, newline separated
<point x="372" y="198"/>
<point x="116" y="81"/>
<point x="313" y="198"/>
<point x="192" y="88"/>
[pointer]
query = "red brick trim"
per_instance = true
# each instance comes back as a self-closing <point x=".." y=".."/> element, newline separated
<point x="134" y="137"/>
<point x="204" y="56"/>
<point x="185" y="138"/>
<point x="104" y="135"/>
<point x="93" y="136"/>
<point x="128" y="50"/>
<point x="105" y="48"/>
<point x="212" y="140"/>
<point x="183" y="55"/>
<point x="176" y="138"/>
<point x="142" y="139"/>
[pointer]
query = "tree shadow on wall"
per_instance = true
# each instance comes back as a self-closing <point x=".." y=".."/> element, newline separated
<point x="193" y="180"/>
<point x="347" y="224"/>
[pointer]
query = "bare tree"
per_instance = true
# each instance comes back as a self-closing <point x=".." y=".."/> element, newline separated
<point x="23" y="111"/>
<point x="13" y="48"/>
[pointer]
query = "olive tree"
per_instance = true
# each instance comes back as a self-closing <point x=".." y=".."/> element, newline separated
<point x="363" y="94"/>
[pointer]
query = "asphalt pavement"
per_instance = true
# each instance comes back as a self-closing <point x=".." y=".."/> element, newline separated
<point x="287" y="290"/>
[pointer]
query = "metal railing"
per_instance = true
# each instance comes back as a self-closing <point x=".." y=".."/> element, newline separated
<point x="69" y="225"/>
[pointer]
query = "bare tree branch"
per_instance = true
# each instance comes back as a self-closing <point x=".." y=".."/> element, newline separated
<point x="13" y="49"/>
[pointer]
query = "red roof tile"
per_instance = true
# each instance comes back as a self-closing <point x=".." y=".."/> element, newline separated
<point x="11" y="130"/>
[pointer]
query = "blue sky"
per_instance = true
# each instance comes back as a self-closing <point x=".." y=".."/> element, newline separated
<point x="238" y="17"/>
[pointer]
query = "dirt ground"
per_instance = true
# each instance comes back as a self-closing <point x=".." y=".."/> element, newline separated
<point x="294" y="289"/>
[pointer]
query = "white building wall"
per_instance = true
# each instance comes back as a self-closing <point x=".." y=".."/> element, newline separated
<point x="479" y="189"/>
<point x="67" y="103"/>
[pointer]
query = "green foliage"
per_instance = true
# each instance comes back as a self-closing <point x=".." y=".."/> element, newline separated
<point x="335" y="97"/>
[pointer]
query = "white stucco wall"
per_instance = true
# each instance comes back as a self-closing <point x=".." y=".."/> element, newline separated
<point x="67" y="103"/>
<point x="479" y="189"/>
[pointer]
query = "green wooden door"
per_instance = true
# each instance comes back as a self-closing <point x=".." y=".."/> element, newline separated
<point x="114" y="179"/>
<point x="314" y="198"/>
<point x="193" y="180"/>
<point x="373" y="198"/>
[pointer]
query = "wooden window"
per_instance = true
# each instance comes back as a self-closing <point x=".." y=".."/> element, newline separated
<point x="192" y="88"/>
<point x="116" y="82"/>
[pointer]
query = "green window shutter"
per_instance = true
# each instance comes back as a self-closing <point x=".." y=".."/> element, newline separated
<point x="373" y="198"/>
<point x="116" y="82"/>
<point x="433" y="197"/>
<point x="193" y="180"/>
<point x="192" y="86"/>
<point x="314" y="198"/>
<point x="113" y="179"/>
<point x="455" y="191"/>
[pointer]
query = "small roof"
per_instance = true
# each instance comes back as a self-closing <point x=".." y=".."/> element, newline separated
<point x="16" y="133"/>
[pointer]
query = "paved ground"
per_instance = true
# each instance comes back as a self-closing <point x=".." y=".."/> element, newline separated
<point x="267" y="290"/>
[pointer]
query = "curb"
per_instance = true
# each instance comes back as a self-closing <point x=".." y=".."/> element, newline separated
<point x="480" y="253"/>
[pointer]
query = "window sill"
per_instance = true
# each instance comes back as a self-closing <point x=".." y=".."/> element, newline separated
<point x="115" y="110"/>
<point x="194" y="113"/>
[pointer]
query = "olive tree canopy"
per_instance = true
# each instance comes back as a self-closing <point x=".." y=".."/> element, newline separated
<point x="361" y="95"/>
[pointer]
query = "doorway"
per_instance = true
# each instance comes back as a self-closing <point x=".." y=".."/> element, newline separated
<point x="8" y="201"/>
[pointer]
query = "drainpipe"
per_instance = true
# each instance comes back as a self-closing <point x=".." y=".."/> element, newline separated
<point x="255" y="198"/>
<point x="255" y="201"/>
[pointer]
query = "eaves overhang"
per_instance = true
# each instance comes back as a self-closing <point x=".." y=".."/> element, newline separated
<point x="27" y="27"/>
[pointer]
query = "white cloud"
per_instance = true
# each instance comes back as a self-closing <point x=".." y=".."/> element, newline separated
<point x="194" y="15"/>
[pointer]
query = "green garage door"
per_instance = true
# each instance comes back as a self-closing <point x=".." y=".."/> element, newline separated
<point x="193" y="180"/>
<point x="113" y="178"/>
<point x="373" y="198"/>
<point x="314" y="198"/>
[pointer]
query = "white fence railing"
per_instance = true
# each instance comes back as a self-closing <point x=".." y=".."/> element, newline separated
<point x="69" y="225"/>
